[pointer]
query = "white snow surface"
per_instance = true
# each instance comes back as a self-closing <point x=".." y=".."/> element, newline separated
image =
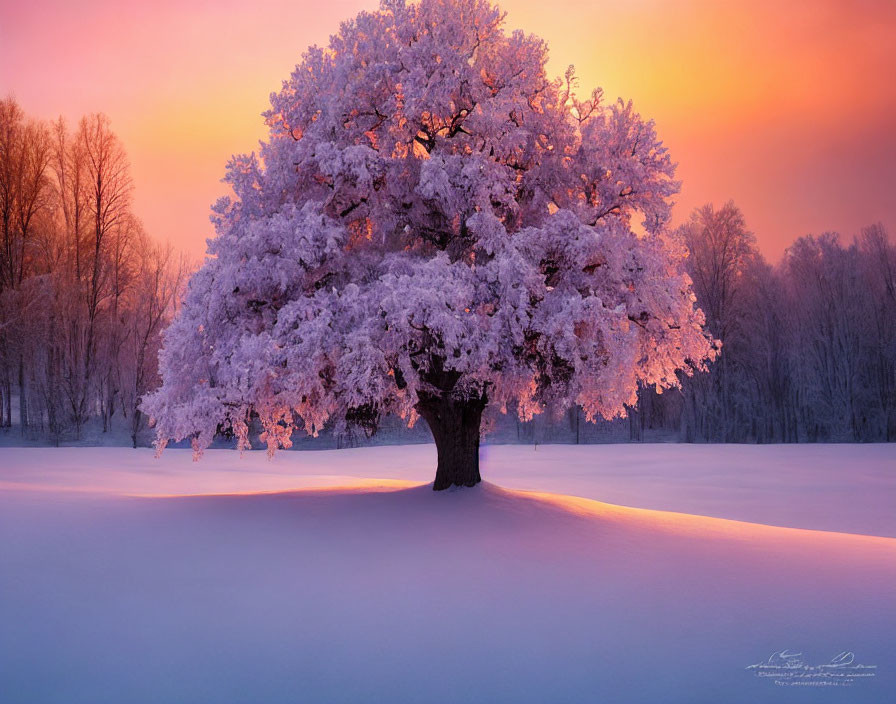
<point x="845" y="488"/>
<point x="117" y="586"/>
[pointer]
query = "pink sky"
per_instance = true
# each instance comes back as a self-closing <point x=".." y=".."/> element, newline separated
<point x="789" y="108"/>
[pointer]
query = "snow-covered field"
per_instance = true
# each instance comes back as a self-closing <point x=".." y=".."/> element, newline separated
<point x="115" y="587"/>
<point x="844" y="488"/>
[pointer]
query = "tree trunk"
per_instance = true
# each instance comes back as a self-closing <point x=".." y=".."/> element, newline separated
<point x="23" y="397"/>
<point x="454" y="425"/>
<point x="8" y="402"/>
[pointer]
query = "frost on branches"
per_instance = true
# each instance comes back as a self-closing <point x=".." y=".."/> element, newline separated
<point x="434" y="226"/>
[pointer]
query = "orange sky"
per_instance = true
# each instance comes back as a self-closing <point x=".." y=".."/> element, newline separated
<point x="789" y="108"/>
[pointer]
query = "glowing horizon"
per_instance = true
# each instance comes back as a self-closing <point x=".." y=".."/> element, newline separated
<point x="787" y="110"/>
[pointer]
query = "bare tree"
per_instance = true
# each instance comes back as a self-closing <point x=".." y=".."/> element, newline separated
<point x="24" y="193"/>
<point x="879" y="256"/>
<point x="159" y="282"/>
<point x="720" y="251"/>
<point x="108" y="196"/>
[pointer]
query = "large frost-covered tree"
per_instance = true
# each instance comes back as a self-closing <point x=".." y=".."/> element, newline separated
<point x="433" y="226"/>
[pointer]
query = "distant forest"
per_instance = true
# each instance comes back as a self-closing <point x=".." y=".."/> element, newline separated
<point x="84" y="291"/>
<point x="808" y="345"/>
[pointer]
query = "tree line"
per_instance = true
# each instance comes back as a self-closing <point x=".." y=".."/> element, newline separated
<point x="808" y="344"/>
<point x="84" y="291"/>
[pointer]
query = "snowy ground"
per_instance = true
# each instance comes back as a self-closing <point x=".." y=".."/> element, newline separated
<point x="389" y="592"/>
<point x="844" y="488"/>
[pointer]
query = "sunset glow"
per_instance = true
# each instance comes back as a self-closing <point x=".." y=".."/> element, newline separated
<point x="788" y="108"/>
